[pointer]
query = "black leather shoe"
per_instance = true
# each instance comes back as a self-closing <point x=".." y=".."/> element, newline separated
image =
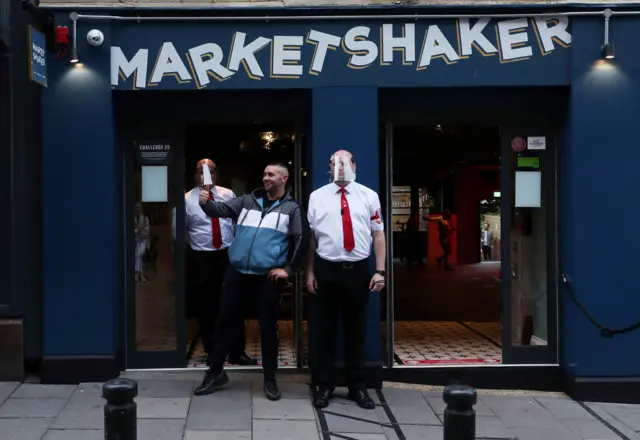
<point x="271" y="389"/>
<point x="322" y="397"/>
<point x="211" y="383"/>
<point x="361" y="397"/>
<point x="243" y="360"/>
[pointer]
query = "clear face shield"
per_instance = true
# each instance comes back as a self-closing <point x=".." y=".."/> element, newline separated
<point x="342" y="169"/>
<point x="205" y="178"/>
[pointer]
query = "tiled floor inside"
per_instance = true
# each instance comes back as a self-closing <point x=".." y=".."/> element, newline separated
<point x="442" y="343"/>
<point x="416" y="343"/>
<point x="286" y="356"/>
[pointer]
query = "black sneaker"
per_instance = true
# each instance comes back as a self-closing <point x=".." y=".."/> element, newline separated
<point x="211" y="383"/>
<point x="271" y="389"/>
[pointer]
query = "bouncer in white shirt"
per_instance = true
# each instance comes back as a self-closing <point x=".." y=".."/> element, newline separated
<point x="345" y="220"/>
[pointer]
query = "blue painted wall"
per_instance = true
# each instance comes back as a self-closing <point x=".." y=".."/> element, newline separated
<point x="601" y="244"/>
<point x="81" y="209"/>
<point x="346" y="118"/>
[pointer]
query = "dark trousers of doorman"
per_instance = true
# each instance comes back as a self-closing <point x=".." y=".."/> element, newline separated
<point x="239" y="291"/>
<point x="209" y="270"/>
<point x="343" y="289"/>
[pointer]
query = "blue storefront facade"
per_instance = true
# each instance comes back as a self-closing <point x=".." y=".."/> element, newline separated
<point x="349" y="75"/>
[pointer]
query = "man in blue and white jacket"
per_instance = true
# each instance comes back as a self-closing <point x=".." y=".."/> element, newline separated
<point x="270" y="246"/>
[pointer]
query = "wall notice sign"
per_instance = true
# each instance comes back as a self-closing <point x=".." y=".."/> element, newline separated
<point x="536" y="143"/>
<point x="154" y="152"/>
<point x="37" y="57"/>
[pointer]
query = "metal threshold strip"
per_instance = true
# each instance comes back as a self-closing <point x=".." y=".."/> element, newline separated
<point x="404" y="367"/>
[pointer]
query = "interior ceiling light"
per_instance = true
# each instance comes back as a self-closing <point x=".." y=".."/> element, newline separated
<point x="607" y="48"/>
<point x="269" y="137"/>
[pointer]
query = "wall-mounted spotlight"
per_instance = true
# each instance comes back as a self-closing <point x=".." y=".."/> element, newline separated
<point x="607" y="48"/>
<point x="74" y="41"/>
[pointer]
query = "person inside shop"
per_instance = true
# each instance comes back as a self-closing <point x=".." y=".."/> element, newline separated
<point x="142" y="236"/>
<point x="270" y="246"/>
<point x="344" y="218"/>
<point x="209" y="240"/>
<point x="487" y="242"/>
<point x="445" y="231"/>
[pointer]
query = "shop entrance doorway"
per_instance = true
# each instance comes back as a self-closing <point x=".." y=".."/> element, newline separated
<point x="472" y="167"/>
<point x="447" y="299"/>
<point x="241" y="134"/>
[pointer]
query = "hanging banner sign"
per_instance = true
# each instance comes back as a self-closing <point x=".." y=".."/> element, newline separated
<point x="37" y="57"/>
<point x="154" y="152"/>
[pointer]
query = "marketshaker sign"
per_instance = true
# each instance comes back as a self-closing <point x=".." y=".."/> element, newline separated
<point x="255" y="55"/>
<point x="38" y="57"/>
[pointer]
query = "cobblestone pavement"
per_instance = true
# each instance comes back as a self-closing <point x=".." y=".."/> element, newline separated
<point x="167" y="410"/>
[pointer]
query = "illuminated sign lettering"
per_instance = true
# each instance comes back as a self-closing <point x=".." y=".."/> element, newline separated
<point x="409" y="45"/>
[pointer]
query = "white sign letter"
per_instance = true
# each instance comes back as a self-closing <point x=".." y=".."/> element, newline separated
<point x="436" y="45"/>
<point x="207" y="59"/>
<point x="121" y="67"/>
<point x="512" y="43"/>
<point x="363" y="52"/>
<point x="286" y="55"/>
<point x="246" y="54"/>
<point x="323" y="42"/>
<point x="472" y="36"/>
<point x="406" y="43"/>
<point x="557" y="32"/>
<point x="169" y="63"/>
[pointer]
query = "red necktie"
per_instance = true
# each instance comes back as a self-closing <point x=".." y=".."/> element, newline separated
<point x="347" y="227"/>
<point x="215" y="228"/>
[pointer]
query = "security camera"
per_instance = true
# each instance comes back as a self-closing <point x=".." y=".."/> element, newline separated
<point x="95" y="37"/>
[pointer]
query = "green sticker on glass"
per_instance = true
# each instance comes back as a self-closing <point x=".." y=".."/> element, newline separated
<point x="528" y="162"/>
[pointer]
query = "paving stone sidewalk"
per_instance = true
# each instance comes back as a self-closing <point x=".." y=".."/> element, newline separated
<point x="167" y="410"/>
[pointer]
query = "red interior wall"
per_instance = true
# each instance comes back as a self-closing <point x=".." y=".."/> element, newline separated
<point x="471" y="186"/>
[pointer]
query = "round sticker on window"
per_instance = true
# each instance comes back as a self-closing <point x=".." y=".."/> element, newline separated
<point x="518" y="144"/>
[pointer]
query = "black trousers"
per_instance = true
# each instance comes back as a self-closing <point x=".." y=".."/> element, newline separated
<point x="261" y="293"/>
<point x="343" y="288"/>
<point x="209" y="268"/>
<point x="486" y="251"/>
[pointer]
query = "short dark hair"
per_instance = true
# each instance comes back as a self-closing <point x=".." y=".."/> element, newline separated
<point x="277" y="163"/>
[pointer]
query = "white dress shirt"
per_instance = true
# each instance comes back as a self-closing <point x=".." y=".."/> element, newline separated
<point x="198" y="223"/>
<point x="325" y="220"/>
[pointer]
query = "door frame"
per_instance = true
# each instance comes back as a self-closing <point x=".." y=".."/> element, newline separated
<point x="141" y="359"/>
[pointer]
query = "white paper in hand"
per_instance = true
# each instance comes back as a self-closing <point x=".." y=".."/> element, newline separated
<point x="206" y="174"/>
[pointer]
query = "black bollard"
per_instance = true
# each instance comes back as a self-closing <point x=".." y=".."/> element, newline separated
<point x="459" y="415"/>
<point x="120" y="411"/>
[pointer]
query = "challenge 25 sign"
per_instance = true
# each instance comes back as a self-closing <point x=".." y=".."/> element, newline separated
<point x="218" y="56"/>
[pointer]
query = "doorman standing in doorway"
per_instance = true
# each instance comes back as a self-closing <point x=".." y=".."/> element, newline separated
<point x="209" y="240"/>
<point x="345" y="221"/>
<point x="270" y="246"/>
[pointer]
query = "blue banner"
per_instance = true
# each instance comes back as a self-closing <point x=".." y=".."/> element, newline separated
<point x="38" y="57"/>
<point x="424" y="53"/>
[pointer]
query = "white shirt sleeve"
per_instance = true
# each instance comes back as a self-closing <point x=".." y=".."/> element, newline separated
<point x="311" y="212"/>
<point x="375" y="212"/>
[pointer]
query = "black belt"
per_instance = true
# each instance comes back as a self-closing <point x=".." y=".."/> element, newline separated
<point x="345" y="264"/>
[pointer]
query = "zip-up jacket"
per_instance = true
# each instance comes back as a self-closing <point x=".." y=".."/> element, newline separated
<point x="265" y="239"/>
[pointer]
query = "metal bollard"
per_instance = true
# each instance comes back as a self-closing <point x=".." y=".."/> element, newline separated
<point x="120" y="411"/>
<point x="459" y="415"/>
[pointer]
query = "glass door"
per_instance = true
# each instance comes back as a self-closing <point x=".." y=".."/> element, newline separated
<point x="154" y="263"/>
<point x="529" y="245"/>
